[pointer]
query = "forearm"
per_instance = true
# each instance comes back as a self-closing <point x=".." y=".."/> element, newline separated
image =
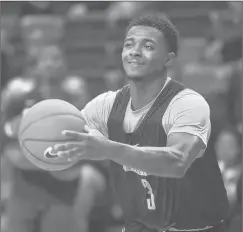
<point x="158" y="161"/>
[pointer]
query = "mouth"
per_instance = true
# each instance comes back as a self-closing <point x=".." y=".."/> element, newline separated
<point x="135" y="63"/>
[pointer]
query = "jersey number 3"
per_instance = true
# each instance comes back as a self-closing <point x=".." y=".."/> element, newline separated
<point x="150" y="198"/>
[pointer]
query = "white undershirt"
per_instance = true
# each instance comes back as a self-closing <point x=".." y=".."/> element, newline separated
<point x="187" y="112"/>
<point x="133" y="118"/>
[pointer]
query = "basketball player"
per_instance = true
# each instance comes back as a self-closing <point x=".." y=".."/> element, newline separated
<point x="46" y="201"/>
<point x="154" y="131"/>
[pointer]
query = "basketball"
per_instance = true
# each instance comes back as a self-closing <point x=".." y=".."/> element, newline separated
<point x="41" y="128"/>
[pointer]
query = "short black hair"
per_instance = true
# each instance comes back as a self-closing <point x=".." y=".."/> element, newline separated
<point x="161" y="23"/>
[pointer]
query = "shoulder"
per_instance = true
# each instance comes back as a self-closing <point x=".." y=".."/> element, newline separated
<point x="103" y="101"/>
<point x="188" y="112"/>
<point x="97" y="111"/>
<point x="188" y="99"/>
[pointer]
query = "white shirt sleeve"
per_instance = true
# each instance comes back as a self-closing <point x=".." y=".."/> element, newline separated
<point x="188" y="112"/>
<point x="97" y="111"/>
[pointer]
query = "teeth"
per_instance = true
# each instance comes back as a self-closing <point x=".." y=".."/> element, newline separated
<point x="134" y="63"/>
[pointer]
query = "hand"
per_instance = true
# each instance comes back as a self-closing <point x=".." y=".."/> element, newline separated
<point x="91" y="145"/>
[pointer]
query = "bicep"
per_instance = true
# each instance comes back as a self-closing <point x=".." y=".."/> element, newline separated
<point x="190" y="114"/>
<point x="188" y="146"/>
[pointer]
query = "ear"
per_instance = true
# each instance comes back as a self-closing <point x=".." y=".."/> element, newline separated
<point x="170" y="59"/>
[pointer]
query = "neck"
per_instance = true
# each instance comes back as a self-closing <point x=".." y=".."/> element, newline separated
<point x="144" y="91"/>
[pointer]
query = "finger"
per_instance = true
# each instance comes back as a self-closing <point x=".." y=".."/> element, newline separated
<point x="75" y="135"/>
<point x="73" y="159"/>
<point x="73" y="155"/>
<point x="70" y="154"/>
<point x="79" y="156"/>
<point x="70" y="133"/>
<point x="66" y="146"/>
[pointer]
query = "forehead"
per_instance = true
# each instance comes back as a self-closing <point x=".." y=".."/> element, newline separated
<point x="145" y="31"/>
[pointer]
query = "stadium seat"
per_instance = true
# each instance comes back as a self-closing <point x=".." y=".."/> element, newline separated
<point x="92" y="27"/>
<point x="51" y="27"/>
<point x="10" y="8"/>
<point x="191" y="49"/>
<point x="85" y="55"/>
<point x="205" y="79"/>
<point x="117" y="32"/>
<point x="192" y="25"/>
<point x="10" y="24"/>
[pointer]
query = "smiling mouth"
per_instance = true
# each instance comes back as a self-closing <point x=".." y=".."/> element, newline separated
<point x="135" y="63"/>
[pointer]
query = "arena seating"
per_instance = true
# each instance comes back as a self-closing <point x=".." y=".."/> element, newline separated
<point x="92" y="46"/>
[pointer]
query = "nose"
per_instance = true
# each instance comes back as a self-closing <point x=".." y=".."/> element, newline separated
<point x="135" y="51"/>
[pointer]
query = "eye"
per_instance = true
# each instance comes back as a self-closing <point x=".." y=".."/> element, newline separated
<point x="149" y="47"/>
<point x="128" y="45"/>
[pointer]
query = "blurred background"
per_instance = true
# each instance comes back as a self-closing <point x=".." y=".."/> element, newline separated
<point x="72" y="51"/>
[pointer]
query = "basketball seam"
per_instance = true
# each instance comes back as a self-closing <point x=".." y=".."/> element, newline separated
<point x="59" y="164"/>
<point x="49" y="116"/>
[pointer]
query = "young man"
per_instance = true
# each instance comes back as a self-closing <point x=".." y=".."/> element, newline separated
<point x="154" y="132"/>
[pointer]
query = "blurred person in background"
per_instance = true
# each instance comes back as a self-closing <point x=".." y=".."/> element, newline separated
<point x="36" y="7"/>
<point x="123" y="10"/>
<point x="128" y="9"/>
<point x="235" y="224"/>
<point x="77" y="11"/>
<point x="229" y="154"/>
<point x="235" y="95"/>
<point x="7" y="51"/>
<point x="224" y="53"/>
<point x="114" y="80"/>
<point x="42" y="201"/>
<point x="224" y="47"/>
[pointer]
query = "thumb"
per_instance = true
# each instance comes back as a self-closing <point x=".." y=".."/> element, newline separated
<point x="92" y="131"/>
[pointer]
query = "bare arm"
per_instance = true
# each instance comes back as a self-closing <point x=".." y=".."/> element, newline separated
<point x="170" y="161"/>
<point x="187" y="136"/>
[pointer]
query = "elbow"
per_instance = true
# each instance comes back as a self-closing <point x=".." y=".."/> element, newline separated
<point x="181" y="172"/>
<point x="175" y="171"/>
<point x="180" y="169"/>
<point x="180" y="166"/>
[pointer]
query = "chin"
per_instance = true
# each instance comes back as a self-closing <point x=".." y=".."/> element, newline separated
<point x="135" y="75"/>
<point x="135" y="72"/>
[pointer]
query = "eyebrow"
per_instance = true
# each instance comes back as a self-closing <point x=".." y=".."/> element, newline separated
<point x="145" y="39"/>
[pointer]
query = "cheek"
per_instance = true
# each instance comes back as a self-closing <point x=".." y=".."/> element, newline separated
<point x="125" y="53"/>
<point x="154" y="60"/>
